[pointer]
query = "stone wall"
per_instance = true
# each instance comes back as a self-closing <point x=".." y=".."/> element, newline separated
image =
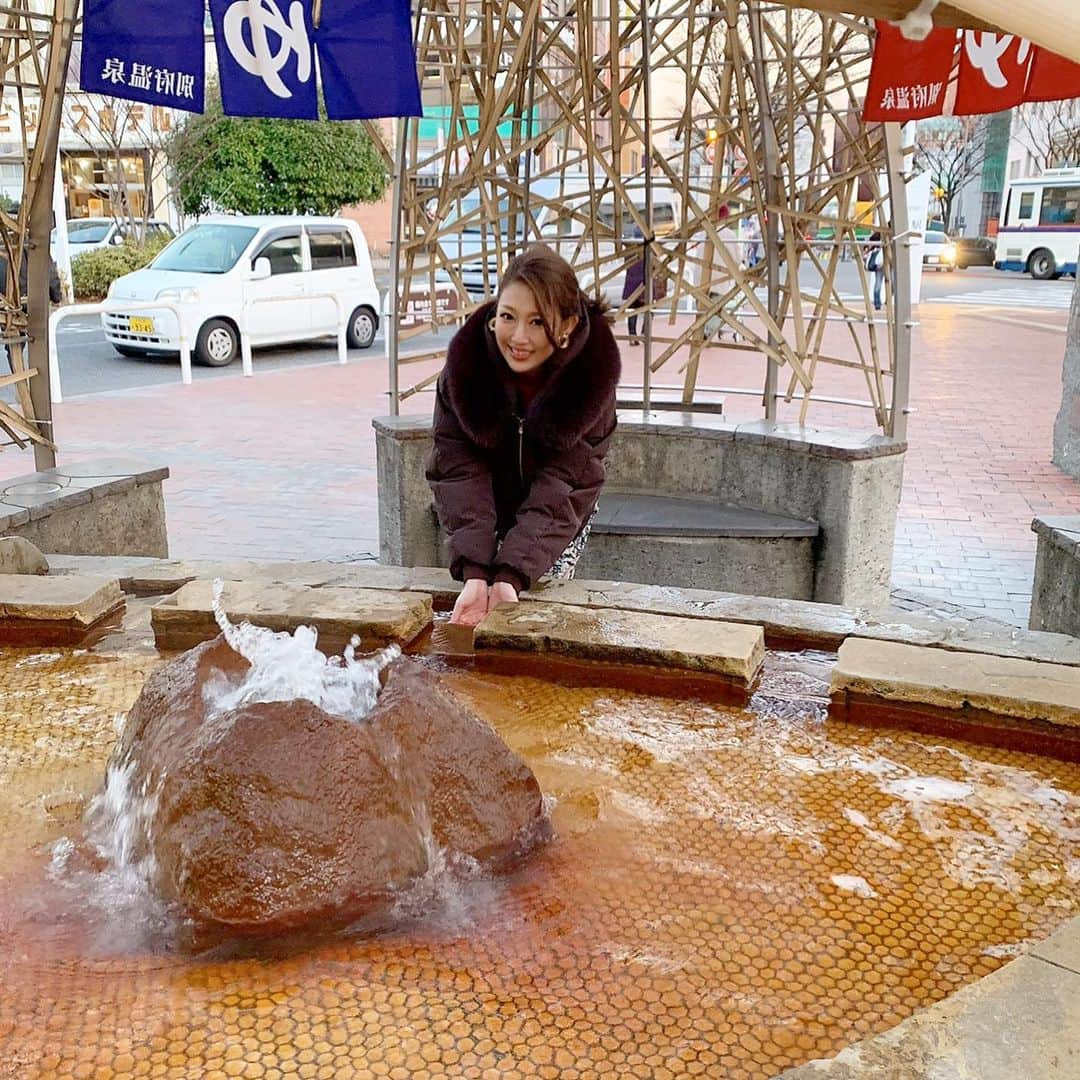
<point x="1067" y="425"/>
<point x="112" y="507"/>
<point x="847" y="482"/>
<point x="1055" y="595"/>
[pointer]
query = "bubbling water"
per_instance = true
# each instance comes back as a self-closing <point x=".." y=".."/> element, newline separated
<point x="290" y="667"/>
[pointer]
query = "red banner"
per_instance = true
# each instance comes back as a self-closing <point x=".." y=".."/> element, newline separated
<point x="993" y="72"/>
<point x="1052" y="78"/>
<point x="908" y="78"/>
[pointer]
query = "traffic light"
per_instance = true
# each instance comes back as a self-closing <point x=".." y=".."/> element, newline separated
<point x="939" y="192"/>
<point x="711" y="137"/>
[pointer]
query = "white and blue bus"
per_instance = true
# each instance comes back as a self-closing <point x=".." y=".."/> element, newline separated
<point x="1039" y="232"/>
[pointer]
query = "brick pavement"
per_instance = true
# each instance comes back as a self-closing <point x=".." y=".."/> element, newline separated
<point x="283" y="465"/>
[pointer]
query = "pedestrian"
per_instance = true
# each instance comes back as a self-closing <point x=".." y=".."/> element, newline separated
<point x="55" y="291"/>
<point x="524" y="414"/>
<point x="875" y="263"/>
<point x="752" y="235"/>
<point x="633" y="288"/>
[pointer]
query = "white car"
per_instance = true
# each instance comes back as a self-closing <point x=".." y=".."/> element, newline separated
<point x="277" y="279"/>
<point x="89" y="234"/>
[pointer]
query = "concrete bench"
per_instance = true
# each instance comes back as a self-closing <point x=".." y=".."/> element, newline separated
<point x="1055" y="594"/>
<point x="646" y="537"/>
<point x="846" y="484"/>
<point x="112" y="506"/>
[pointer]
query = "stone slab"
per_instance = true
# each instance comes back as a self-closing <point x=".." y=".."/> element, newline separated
<point x="159" y="577"/>
<point x="1020" y="1023"/>
<point x="1062" y="948"/>
<point x="807" y="623"/>
<point x="1001" y="685"/>
<point x="377" y="617"/>
<point x="30" y="601"/>
<point x="625" y="637"/>
<point x="804" y="623"/>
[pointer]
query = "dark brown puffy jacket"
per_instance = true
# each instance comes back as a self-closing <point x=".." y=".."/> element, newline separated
<point x="513" y="487"/>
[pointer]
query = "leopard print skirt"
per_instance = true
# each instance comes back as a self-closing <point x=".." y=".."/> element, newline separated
<point x="566" y="564"/>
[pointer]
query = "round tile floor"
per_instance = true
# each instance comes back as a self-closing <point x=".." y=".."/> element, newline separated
<point x="729" y="893"/>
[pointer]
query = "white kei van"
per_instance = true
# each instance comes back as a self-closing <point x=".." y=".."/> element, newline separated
<point x="277" y="279"/>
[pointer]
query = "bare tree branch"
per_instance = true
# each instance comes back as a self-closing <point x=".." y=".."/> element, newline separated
<point x="1051" y="130"/>
<point x="953" y="150"/>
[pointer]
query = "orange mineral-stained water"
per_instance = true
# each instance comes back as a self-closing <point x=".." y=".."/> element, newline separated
<point x="729" y="892"/>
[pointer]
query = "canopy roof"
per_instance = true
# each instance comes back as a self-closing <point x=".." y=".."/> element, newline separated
<point x="1054" y="24"/>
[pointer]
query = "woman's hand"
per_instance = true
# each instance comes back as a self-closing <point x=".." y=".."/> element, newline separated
<point x="502" y="592"/>
<point x="472" y="603"/>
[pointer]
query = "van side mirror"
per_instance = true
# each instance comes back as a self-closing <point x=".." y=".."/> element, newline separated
<point x="260" y="269"/>
<point x="117" y="240"/>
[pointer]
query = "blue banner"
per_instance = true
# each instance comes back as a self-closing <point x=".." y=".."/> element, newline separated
<point x="367" y="59"/>
<point x="144" y="50"/>
<point x="266" y="58"/>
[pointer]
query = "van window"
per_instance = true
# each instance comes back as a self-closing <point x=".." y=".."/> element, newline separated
<point x="283" y="253"/>
<point x="331" y="249"/>
<point x="663" y="218"/>
<point x="1027" y="206"/>
<point x="1059" y="206"/>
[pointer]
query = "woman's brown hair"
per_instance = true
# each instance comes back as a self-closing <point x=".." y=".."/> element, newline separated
<point x="553" y="283"/>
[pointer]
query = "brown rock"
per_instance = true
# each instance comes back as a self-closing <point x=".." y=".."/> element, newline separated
<point x="276" y="816"/>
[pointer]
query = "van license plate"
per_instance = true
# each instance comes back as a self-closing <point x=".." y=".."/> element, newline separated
<point x="141" y="326"/>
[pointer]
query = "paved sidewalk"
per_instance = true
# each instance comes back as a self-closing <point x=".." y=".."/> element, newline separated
<point x="282" y="466"/>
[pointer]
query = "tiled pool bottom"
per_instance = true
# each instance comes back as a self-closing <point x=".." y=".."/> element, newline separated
<point x="729" y="893"/>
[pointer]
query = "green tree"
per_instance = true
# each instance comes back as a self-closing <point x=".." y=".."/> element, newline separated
<point x="263" y="166"/>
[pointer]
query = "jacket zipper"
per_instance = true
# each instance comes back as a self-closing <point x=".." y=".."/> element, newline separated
<point x="521" y="449"/>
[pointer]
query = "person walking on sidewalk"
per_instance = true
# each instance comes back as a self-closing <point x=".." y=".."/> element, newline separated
<point x="875" y="263"/>
<point x="524" y="414"/>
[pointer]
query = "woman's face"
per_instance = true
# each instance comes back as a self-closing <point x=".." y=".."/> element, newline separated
<point x="519" y="329"/>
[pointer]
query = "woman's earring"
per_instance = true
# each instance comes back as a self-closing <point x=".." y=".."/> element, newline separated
<point x="491" y="324"/>
<point x="564" y="341"/>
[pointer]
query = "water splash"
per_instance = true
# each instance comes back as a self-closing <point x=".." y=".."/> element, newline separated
<point x="290" y="667"/>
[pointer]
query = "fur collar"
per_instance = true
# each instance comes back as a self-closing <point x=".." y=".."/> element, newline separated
<point x="579" y="389"/>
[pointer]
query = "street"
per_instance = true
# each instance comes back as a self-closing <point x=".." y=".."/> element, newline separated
<point x="88" y="364"/>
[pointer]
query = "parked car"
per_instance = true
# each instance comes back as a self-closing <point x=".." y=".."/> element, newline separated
<point x="939" y="251"/>
<point x="975" y="251"/>
<point x="283" y="278"/>
<point x="88" y="234"/>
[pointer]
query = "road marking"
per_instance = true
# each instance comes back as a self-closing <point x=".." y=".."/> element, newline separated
<point x="1056" y="297"/>
<point x="1027" y="324"/>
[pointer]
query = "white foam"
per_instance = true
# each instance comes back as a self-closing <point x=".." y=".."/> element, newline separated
<point x="859" y="819"/>
<point x="924" y="789"/>
<point x="852" y="883"/>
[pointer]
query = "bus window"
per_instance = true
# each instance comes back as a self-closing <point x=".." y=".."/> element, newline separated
<point x="1027" y="206"/>
<point x="1060" y="206"/>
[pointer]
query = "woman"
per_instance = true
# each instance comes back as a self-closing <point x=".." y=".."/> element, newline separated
<point x="524" y="413"/>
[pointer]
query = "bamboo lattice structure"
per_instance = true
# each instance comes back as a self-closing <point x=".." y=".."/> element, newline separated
<point x="35" y="43"/>
<point x="748" y="114"/>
